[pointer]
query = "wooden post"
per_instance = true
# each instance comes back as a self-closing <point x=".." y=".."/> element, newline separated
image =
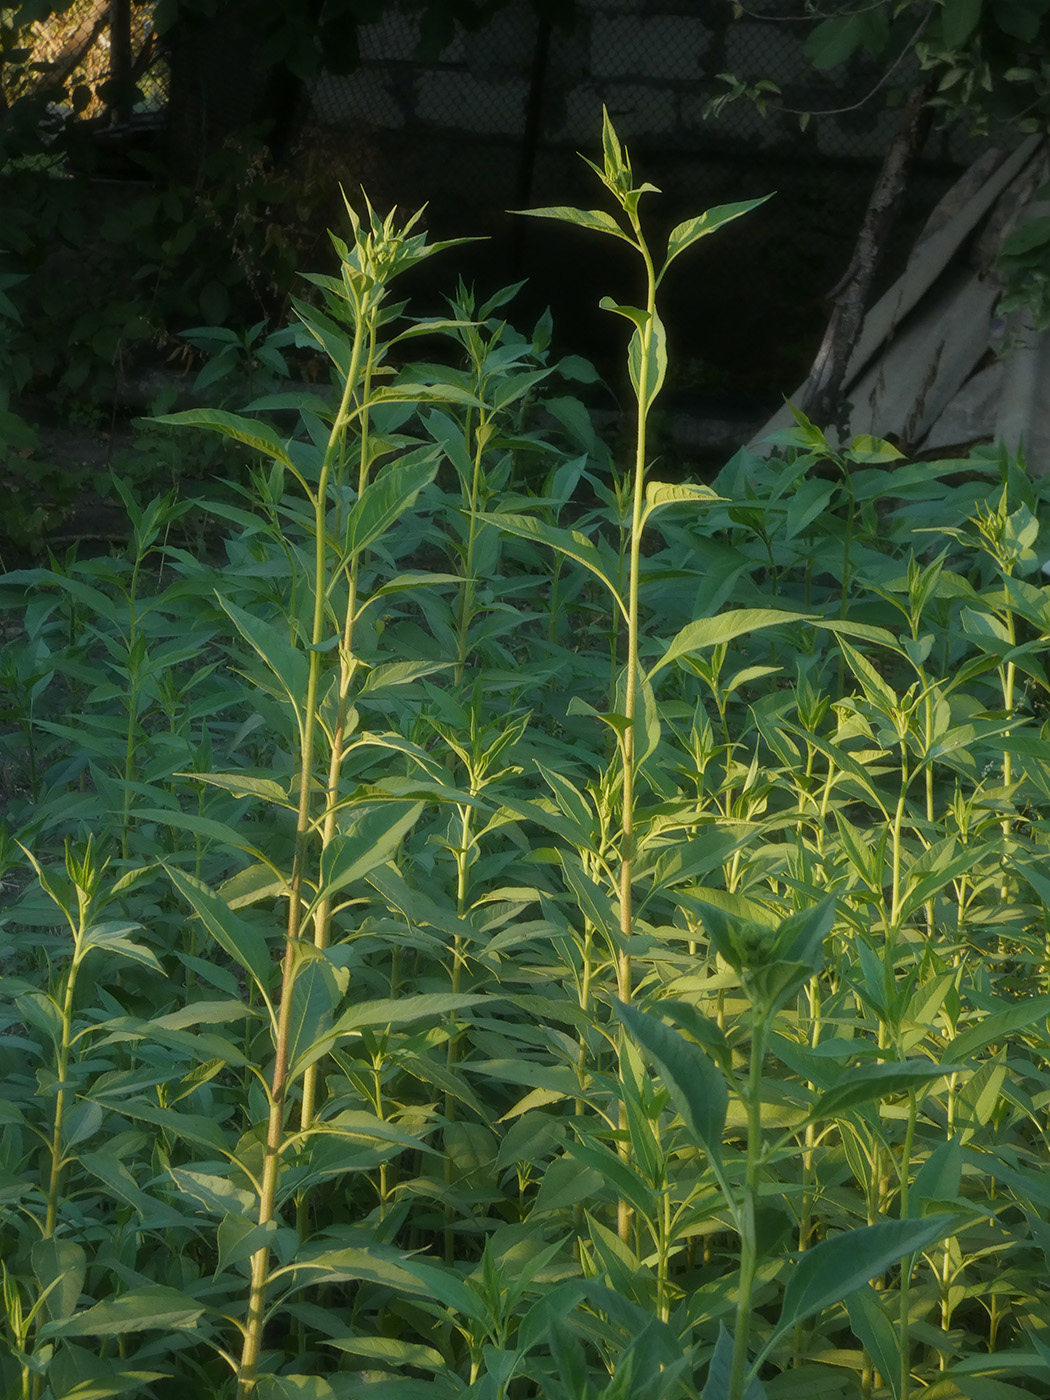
<point x="120" y="61"/>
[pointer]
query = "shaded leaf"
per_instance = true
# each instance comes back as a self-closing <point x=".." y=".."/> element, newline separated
<point x="836" y="1267"/>
<point x="697" y="1088"/>
<point x="141" y="1310"/>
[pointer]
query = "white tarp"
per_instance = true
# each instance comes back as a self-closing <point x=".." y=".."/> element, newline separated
<point x="937" y="367"/>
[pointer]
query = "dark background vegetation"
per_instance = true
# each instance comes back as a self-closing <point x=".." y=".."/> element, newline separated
<point x="164" y="166"/>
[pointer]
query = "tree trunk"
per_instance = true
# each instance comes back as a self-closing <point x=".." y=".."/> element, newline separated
<point x="822" y="397"/>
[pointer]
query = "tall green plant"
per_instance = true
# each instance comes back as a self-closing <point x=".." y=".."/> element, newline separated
<point x="353" y="516"/>
<point x="647" y="367"/>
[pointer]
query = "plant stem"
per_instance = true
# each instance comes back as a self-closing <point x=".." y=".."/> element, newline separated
<point x="260" y="1263"/>
<point x="747" y="1207"/>
<point x="347" y="670"/>
<point x="624" y="978"/>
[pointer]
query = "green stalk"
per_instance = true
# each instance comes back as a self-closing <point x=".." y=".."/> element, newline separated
<point x="466" y="597"/>
<point x="347" y="670"/>
<point x="908" y="1262"/>
<point x="747" y="1208"/>
<point x="897" y="850"/>
<point x="664" y="1239"/>
<point x="624" y="977"/>
<point x="1009" y="681"/>
<point x="260" y="1263"/>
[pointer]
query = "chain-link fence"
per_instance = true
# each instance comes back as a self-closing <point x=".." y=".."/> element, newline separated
<point x="97" y="59"/>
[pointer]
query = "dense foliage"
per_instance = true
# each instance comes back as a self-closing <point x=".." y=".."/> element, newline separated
<point x="505" y="927"/>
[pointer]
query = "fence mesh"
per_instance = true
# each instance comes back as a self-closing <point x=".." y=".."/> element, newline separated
<point x="75" y="54"/>
<point x="495" y="120"/>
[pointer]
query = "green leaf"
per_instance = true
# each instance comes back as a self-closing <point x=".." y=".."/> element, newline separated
<point x="875" y="688"/>
<point x="399" y="1011"/>
<point x="317" y="991"/>
<point x="876" y="1333"/>
<point x="259" y="436"/>
<point x="296" y="1387"/>
<point x="720" y="1373"/>
<point x="689" y="232"/>
<point x="663" y="493"/>
<point x="871" y="1083"/>
<point x="110" y="937"/>
<point x="239" y="1236"/>
<point x="1019" y="20"/>
<point x="1029" y="1013"/>
<point x="388" y="497"/>
<point x="391" y="673"/>
<point x="714" y="631"/>
<point x="650" y="362"/>
<point x="619" y="1176"/>
<point x="568" y="542"/>
<point x="207" y="827"/>
<point x="154" y="1307"/>
<point x="834" y="41"/>
<point x="958" y="21"/>
<point x="115" y="1383"/>
<point x="191" y="1127"/>
<point x="596" y="219"/>
<point x="635" y="314"/>
<point x="60" y="1266"/>
<point x="244" y="943"/>
<point x="365" y="840"/>
<point x="377" y="1264"/>
<point x="696" y="1087"/>
<point x="391" y="1351"/>
<point x="215" y="1193"/>
<point x="287" y="662"/>
<point x="243" y="785"/>
<point x="868" y="449"/>
<point x="120" y="1185"/>
<point x="836" y="1267"/>
<point x="1032" y="234"/>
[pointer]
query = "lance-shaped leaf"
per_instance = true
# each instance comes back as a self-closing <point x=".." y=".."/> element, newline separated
<point x="696" y="1087"/>
<point x="207" y="827"/>
<point x="832" y="1270"/>
<point x="367" y="839"/>
<point x="60" y="1267"/>
<point x="596" y="219"/>
<point x="713" y="631"/>
<point x="1030" y="1013"/>
<point x="141" y="1310"/>
<point x="939" y="1177"/>
<point x="318" y="989"/>
<point x="395" y="1011"/>
<point x="287" y="662"/>
<point x="648" y="366"/>
<point x="387" y="498"/>
<point x="112" y="937"/>
<point x="244" y="785"/>
<point x="244" y="943"/>
<point x="568" y="542"/>
<point x="259" y="436"/>
<point x="664" y="493"/>
<point x="719" y="1375"/>
<point x="873" y="1329"/>
<point x="638" y="317"/>
<point x="689" y="232"/>
<point x="871" y="1083"/>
